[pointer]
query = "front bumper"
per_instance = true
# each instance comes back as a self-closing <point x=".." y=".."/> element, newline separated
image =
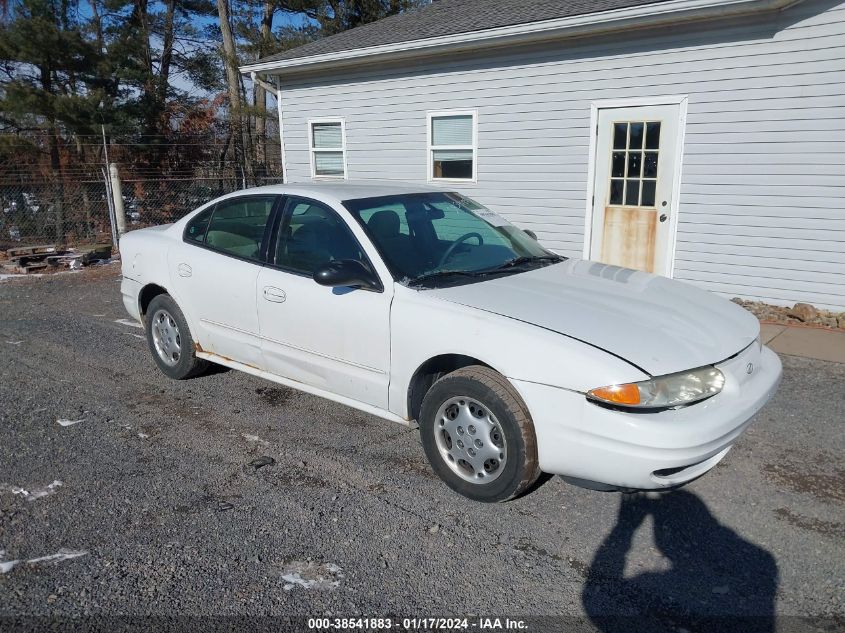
<point x="649" y="451"/>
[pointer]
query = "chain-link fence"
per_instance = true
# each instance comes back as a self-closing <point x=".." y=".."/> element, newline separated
<point x="39" y="212"/>
<point x="71" y="205"/>
<point x="152" y="201"/>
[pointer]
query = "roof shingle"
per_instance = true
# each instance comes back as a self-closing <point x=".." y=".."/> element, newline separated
<point x="451" y="17"/>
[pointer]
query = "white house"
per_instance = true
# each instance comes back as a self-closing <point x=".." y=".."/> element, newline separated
<point x="701" y="139"/>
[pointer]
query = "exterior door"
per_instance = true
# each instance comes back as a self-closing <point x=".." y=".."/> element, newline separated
<point x="335" y="339"/>
<point x="214" y="271"/>
<point x="635" y="173"/>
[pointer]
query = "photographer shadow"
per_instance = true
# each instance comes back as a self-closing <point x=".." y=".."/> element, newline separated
<point x="716" y="581"/>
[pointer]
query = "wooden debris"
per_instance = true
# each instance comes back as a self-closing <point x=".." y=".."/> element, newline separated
<point x="27" y="259"/>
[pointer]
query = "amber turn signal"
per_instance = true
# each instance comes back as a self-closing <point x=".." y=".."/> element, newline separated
<point x="663" y="392"/>
<point x="618" y="394"/>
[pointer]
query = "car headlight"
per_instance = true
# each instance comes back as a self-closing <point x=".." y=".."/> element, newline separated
<point x="662" y="392"/>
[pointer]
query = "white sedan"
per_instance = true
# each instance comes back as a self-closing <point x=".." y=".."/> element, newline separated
<point x="423" y="307"/>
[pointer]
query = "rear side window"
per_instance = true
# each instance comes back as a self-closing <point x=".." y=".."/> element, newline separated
<point x="237" y="226"/>
<point x="195" y="231"/>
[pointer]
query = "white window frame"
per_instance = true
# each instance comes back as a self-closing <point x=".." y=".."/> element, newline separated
<point x="312" y="151"/>
<point x="430" y="149"/>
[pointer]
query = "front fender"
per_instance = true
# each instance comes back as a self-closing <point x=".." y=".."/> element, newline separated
<point x="423" y="327"/>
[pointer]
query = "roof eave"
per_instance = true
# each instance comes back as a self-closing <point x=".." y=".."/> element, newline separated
<point x="593" y="23"/>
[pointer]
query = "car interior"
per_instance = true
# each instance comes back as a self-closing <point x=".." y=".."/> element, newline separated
<point x="238" y="227"/>
<point x="314" y="236"/>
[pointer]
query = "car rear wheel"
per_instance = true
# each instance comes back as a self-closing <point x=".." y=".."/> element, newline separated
<point x="478" y="435"/>
<point x="170" y="341"/>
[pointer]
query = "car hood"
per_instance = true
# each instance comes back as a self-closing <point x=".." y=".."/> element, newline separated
<point x="660" y="325"/>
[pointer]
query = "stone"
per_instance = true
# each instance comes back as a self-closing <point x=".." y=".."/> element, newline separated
<point x="841" y="321"/>
<point x="804" y="312"/>
<point x="828" y="321"/>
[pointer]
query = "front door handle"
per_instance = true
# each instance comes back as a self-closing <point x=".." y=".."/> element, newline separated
<point x="184" y="270"/>
<point x="276" y="295"/>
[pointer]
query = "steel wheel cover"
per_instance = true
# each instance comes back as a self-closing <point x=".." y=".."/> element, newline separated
<point x="166" y="337"/>
<point x="470" y="440"/>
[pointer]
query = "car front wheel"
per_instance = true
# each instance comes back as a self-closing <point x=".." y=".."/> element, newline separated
<point x="478" y="435"/>
<point x="170" y="341"/>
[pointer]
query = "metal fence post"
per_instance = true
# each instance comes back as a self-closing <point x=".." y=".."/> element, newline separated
<point x="117" y="197"/>
<point x="110" y="205"/>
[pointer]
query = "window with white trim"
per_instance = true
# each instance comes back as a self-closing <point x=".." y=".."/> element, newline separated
<point x="452" y="145"/>
<point x="327" y="141"/>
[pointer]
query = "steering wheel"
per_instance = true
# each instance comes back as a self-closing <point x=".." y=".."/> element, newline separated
<point x="463" y="238"/>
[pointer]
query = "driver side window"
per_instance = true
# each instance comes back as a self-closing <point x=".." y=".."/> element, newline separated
<point x="312" y="236"/>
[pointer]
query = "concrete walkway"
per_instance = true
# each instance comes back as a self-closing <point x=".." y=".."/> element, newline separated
<point x="809" y="342"/>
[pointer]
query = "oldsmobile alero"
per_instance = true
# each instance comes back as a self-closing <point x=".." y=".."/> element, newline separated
<point x="423" y="307"/>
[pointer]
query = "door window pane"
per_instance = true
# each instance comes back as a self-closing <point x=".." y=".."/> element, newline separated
<point x="632" y="192"/>
<point x="650" y="169"/>
<point x="620" y="135"/>
<point x="634" y="164"/>
<point x="636" y="140"/>
<point x="314" y="236"/>
<point x="652" y="135"/>
<point x="618" y="167"/>
<point x="628" y="161"/>
<point x="649" y="187"/>
<point x="237" y="226"/>
<point x="616" y="189"/>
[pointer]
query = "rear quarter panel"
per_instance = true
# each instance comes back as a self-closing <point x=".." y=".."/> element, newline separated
<point x="143" y="256"/>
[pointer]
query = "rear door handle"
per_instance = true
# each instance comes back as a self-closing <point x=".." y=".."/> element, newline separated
<point x="276" y="295"/>
<point x="184" y="270"/>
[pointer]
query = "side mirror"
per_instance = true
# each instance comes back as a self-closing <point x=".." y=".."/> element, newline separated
<point x="346" y="273"/>
<point x="530" y="234"/>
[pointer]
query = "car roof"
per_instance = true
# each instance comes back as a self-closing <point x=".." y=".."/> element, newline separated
<point x="341" y="191"/>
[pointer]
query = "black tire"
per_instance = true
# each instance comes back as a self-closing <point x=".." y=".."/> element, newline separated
<point x="489" y="389"/>
<point x="188" y="365"/>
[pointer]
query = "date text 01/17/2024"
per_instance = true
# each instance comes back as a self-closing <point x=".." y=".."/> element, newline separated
<point x="418" y="624"/>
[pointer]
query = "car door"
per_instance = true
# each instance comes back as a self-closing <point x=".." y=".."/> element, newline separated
<point x="214" y="271"/>
<point x="335" y="339"/>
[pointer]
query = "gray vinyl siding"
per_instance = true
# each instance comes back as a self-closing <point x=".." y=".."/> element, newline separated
<point x="762" y="200"/>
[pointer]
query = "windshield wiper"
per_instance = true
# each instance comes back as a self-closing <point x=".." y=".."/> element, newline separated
<point x="520" y="261"/>
<point x="443" y="274"/>
<point x="511" y="263"/>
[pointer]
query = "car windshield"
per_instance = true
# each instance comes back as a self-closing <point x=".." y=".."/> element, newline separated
<point x="434" y="239"/>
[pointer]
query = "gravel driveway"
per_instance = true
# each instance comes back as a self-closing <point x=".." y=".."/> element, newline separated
<point x="228" y="496"/>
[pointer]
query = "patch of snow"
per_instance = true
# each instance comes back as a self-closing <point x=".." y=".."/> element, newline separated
<point x="7" y="565"/>
<point x="6" y="277"/>
<point x="63" y="422"/>
<point x="310" y="575"/>
<point x="37" y="493"/>
<point x="63" y="554"/>
<point x="255" y="438"/>
<point x="129" y="323"/>
<point x="14" y="342"/>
